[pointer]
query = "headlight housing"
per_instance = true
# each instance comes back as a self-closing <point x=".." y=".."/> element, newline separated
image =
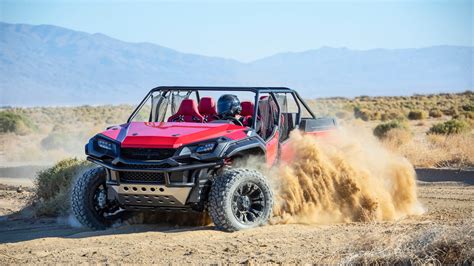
<point x="105" y="146"/>
<point x="206" y="148"/>
<point x="200" y="148"/>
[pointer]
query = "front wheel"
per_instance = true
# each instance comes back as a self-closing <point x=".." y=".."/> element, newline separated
<point x="240" y="199"/>
<point x="89" y="201"/>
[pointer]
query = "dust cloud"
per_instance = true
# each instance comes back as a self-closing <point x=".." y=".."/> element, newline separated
<point x="346" y="176"/>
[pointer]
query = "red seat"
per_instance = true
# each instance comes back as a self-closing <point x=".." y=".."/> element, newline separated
<point x="247" y="112"/>
<point x="187" y="112"/>
<point x="247" y="108"/>
<point x="207" y="108"/>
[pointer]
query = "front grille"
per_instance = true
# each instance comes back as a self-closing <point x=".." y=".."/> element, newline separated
<point x="147" y="154"/>
<point x="142" y="177"/>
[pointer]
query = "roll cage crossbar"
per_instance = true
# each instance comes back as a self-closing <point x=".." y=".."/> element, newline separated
<point x="257" y="90"/>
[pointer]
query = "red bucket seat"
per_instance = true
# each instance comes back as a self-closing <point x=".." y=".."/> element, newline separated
<point x="207" y="108"/>
<point x="247" y="108"/>
<point x="187" y="112"/>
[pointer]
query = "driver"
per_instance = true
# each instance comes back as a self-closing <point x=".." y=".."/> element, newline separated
<point x="229" y="108"/>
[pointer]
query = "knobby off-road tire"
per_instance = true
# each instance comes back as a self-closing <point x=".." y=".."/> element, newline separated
<point x="84" y="200"/>
<point x="240" y="199"/>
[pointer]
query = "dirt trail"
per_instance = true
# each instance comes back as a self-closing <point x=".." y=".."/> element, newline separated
<point x="449" y="205"/>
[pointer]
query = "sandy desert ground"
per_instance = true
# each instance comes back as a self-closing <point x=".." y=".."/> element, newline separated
<point x="445" y="232"/>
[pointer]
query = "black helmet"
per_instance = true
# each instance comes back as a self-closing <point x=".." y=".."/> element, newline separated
<point x="228" y="105"/>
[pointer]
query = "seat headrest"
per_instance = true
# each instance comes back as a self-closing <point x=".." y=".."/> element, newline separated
<point x="247" y="108"/>
<point x="207" y="106"/>
<point x="188" y="107"/>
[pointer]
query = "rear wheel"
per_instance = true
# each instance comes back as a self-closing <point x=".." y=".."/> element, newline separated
<point x="89" y="201"/>
<point x="240" y="199"/>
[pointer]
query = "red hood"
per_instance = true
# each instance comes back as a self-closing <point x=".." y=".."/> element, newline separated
<point x="170" y="134"/>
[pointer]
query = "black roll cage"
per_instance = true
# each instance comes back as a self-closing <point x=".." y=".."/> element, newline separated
<point x="257" y="90"/>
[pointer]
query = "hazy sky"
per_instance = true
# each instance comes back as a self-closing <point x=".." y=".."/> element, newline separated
<point x="249" y="30"/>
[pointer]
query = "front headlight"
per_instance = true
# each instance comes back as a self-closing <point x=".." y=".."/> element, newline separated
<point x="206" y="148"/>
<point x="201" y="148"/>
<point x="105" y="144"/>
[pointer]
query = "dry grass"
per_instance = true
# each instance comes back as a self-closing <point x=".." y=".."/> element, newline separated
<point x="434" y="150"/>
<point x="388" y="108"/>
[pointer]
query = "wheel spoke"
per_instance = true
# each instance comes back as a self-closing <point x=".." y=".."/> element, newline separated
<point x="256" y="212"/>
<point x="253" y="217"/>
<point x="257" y="193"/>
<point x="245" y="220"/>
<point x="237" y="214"/>
<point x="253" y="188"/>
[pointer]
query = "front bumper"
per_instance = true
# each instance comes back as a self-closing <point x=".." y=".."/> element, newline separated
<point x="153" y="167"/>
<point x="179" y="188"/>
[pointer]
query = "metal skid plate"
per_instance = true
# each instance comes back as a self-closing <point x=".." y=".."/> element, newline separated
<point x="150" y="195"/>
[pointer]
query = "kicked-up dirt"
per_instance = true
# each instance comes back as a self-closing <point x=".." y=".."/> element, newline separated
<point x="443" y="234"/>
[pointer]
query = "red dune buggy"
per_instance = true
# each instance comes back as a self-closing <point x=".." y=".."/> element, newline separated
<point x="176" y="154"/>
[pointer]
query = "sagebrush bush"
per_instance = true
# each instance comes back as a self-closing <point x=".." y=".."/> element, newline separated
<point x="382" y="130"/>
<point x="363" y="114"/>
<point x="53" y="186"/>
<point x="453" y="126"/>
<point x="435" y="113"/>
<point x="450" y="112"/>
<point x="15" y="123"/>
<point x="416" y="115"/>
<point x="468" y="107"/>
<point x="464" y="115"/>
<point x="397" y="137"/>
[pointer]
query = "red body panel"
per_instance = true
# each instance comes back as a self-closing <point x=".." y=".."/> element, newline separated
<point x="112" y="132"/>
<point x="171" y="134"/>
<point x="272" y="149"/>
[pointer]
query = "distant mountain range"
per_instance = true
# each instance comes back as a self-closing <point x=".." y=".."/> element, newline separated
<point x="49" y="65"/>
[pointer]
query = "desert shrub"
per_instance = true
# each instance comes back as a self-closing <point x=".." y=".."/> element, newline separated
<point x="468" y="107"/>
<point x="384" y="117"/>
<point x="436" y="113"/>
<point x="396" y="137"/>
<point x="53" y="186"/>
<point x="363" y="114"/>
<point x="464" y="115"/>
<point x="381" y="130"/>
<point x="395" y="115"/>
<point x="451" y="111"/>
<point x="453" y="126"/>
<point x="15" y="123"/>
<point x="376" y="116"/>
<point x="416" y="115"/>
